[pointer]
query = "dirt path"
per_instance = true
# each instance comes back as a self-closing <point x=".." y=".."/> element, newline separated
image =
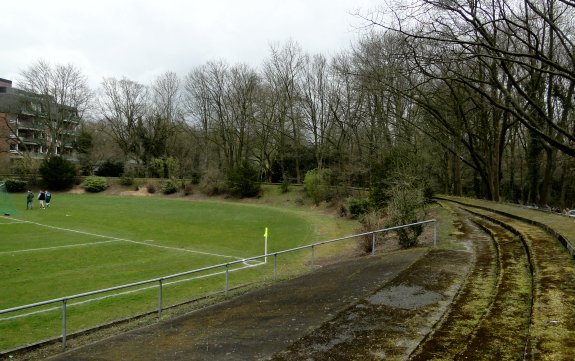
<point x="258" y="324"/>
<point x="390" y="323"/>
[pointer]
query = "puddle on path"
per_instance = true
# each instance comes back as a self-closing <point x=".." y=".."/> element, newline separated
<point x="405" y="297"/>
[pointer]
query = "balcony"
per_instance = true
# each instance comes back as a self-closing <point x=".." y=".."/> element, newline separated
<point x="31" y="140"/>
<point x="27" y="125"/>
<point x="71" y="121"/>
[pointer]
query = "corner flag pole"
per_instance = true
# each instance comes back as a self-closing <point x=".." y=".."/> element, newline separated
<point x="266" y="244"/>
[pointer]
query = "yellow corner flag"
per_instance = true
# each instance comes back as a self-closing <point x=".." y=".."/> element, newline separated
<point x="266" y="232"/>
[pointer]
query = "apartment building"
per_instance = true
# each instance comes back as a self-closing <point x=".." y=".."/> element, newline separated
<point x="34" y="124"/>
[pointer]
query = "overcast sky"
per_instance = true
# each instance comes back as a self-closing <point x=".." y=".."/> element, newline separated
<point x="141" y="39"/>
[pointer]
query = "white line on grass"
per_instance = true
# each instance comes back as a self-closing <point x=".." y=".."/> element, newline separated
<point x="130" y="241"/>
<point x="126" y="292"/>
<point x="57" y="247"/>
<point x="8" y="223"/>
<point x="181" y="249"/>
<point x="67" y="229"/>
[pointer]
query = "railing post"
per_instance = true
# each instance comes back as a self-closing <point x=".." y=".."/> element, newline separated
<point x="312" y="256"/>
<point x="275" y="266"/>
<point x="434" y="233"/>
<point x="160" y="296"/>
<point x="64" y="324"/>
<point x="227" y="279"/>
<point x="372" y="243"/>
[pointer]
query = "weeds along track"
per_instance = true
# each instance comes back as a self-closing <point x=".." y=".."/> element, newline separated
<point x="518" y="302"/>
<point x="472" y="302"/>
<point x="506" y="292"/>
<point x="552" y="327"/>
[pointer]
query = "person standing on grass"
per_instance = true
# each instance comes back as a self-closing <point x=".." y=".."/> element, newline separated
<point x="42" y="198"/>
<point x="48" y="196"/>
<point x="29" y="199"/>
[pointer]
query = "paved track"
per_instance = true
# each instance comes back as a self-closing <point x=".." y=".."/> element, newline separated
<point x="259" y="324"/>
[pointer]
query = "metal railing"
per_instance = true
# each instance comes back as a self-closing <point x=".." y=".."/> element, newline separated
<point x="226" y="266"/>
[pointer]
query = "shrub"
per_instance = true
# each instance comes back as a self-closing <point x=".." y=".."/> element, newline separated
<point x="212" y="183"/>
<point x="95" y="184"/>
<point x="151" y="188"/>
<point x="110" y="169"/>
<point x="341" y="208"/>
<point x="428" y="194"/>
<point x="242" y="181"/>
<point x="357" y="206"/>
<point x="26" y="168"/>
<point x="371" y="221"/>
<point x="168" y="187"/>
<point x="58" y="173"/>
<point x="126" y="180"/>
<point x="164" y="167"/>
<point x="318" y="185"/>
<point x="379" y="185"/>
<point x="188" y="189"/>
<point x="284" y="186"/>
<point x="15" y="185"/>
<point x="406" y="205"/>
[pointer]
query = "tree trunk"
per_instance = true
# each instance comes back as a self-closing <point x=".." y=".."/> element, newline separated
<point x="534" y="150"/>
<point x="457" y="184"/>
<point x="548" y="175"/>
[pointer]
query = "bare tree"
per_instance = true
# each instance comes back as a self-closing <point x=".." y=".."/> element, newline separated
<point x="167" y="98"/>
<point x="124" y="104"/>
<point x="315" y="98"/>
<point x="522" y="68"/>
<point x="242" y="97"/>
<point x="165" y="118"/>
<point x="282" y="72"/>
<point x="346" y="108"/>
<point x="531" y="43"/>
<point x="197" y="103"/>
<point x="59" y="96"/>
<point x="206" y="92"/>
<point x="223" y="102"/>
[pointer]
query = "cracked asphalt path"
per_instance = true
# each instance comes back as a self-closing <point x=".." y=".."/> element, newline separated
<point x="258" y="324"/>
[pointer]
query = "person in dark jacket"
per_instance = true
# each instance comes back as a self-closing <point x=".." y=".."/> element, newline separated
<point x="42" y="198"/>
<point x="29" y="199"/>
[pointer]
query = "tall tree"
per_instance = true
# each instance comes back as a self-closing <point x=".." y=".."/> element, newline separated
<point x="198" y="106"/>
<point x="524" y="41"/>
<point x="522" y="52"/>
<point x="242" y="96"/>
<point x="59" y="97"/>
<point x="124" y="104"/>
<point x="282" y="72"/>
<point x="315" y="99"/>
<point x="165" y="116"/>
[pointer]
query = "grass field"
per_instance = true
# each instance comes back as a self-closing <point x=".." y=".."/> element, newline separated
<point x="86" y="242"/>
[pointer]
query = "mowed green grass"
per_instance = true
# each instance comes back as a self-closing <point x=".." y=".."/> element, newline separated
<point x="86" y="242"/>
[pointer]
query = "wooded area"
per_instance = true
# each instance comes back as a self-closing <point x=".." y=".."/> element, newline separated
<point x="470" y="97"/>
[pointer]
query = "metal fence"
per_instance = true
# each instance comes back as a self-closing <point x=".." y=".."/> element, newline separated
<point x="225" y="267"/>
